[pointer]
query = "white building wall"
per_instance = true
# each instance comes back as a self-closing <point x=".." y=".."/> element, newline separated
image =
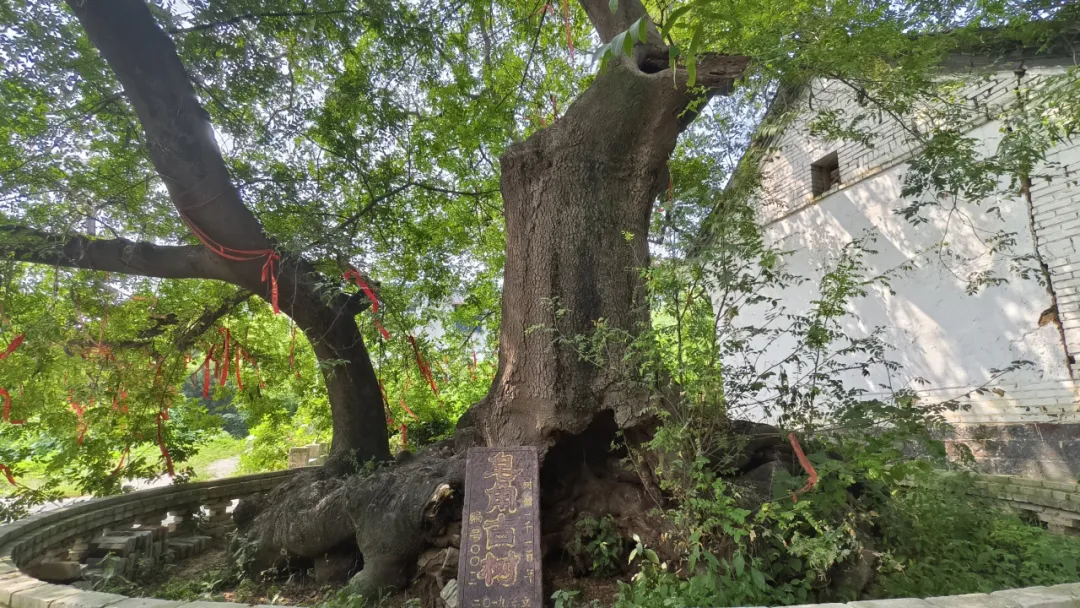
<point x="940" y="333"/>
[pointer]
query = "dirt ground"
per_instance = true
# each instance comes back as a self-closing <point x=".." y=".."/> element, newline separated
<point x="203" y="576"/>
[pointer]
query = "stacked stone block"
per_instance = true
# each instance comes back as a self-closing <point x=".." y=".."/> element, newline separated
<point x="311" y="455"/>
<point x="114" y="532"/>
<point x="1055" y="503"/>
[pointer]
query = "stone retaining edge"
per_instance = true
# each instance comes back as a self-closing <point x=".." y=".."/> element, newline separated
<point x="1055" y="503"/>
<point x="28" y="537"/>
<point x="39" y="532"/>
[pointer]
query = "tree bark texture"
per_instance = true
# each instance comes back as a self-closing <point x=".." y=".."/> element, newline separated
<point x="578" y="199"/>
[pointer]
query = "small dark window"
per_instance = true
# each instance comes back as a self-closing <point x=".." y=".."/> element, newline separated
<point x="825" y="174"/>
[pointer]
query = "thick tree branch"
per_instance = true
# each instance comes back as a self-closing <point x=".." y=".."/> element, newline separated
<point x="111" y="255"/>
<point x="182" y="148"/>
<point x="179" y="135"/>
<point x="608" y="24"/>
<point x="184" y="339"/>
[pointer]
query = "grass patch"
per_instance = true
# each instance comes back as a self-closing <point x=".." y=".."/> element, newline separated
<point x="217" y="448"/>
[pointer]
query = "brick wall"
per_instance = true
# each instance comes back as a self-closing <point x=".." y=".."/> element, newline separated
<point x="1056" y="205"/>
<point x="786" y="173"/>
<point x="940" y="333"/>
<point x="1057" y="504"/>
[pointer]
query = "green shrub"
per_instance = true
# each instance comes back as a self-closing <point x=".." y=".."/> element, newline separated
<point x="940" y="539"/>
<point x="598" y="546"/>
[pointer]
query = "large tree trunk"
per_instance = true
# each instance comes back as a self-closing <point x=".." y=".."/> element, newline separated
<point x="578" y="198"/>
<point x="356" y="404"/>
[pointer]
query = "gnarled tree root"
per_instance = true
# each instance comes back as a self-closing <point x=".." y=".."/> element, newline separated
<point x="391" y="513"/>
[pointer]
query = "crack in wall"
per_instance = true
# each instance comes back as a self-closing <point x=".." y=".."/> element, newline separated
<point x="1051" y="314"/>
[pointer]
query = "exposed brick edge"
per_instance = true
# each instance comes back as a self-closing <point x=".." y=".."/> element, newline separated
<point x="29" y="537"/>
<point x="1055" y="502"/>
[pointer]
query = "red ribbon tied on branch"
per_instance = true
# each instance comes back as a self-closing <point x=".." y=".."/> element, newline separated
<point x="354" y="275"/>
<point x="236" y="366"/>
<point x="402" y="400"/>
<point x="206" y="372"/>
<point x="424" y="369"/>
<point x="7" y="473"/>
<point x="241" y="255"/>
<point x="224" y="355"/>
<point x="13" y="346"/>
<point x="268" y="271"/>
<point x="251" y="361"/>
<point x="7" y="408"/>
<point x="164" y="448"/>
<point x="120" y="465"/>
<point x="79" y="410"/>
<point x="568" y="27"/>
<point x="805" y="463"/>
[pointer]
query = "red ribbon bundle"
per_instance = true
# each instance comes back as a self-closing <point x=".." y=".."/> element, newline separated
<point x="206" y="372"/>
<point x="354" y="274"/>
<point x="241" y="255"/>
<point x="268" y="270"/>
<point x="424" y="369"/>
<point x="566" y="25"/>
<point x="13" y="346"/>
<point x="236" y="366"/>
<point x="7" y="408"/>
<point x="79" y="410"/>
<point x="123" y="457"/>
<point x="805" y="463"/>
<point x="117" y="406"/>
<point x="251" y="360"/>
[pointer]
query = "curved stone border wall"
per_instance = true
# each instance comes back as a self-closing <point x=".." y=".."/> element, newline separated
<point x="1053" y="502"/>
<point x="144" y="511"/>
<point x="1056" y="503"/>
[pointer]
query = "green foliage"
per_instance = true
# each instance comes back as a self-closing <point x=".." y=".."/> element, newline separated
<point x="347" y="598"/>
<point x="597" y="545"/>
<point x="940" y="537"/>
<point x="565" y="598"/>
<point x="342" y="155"/>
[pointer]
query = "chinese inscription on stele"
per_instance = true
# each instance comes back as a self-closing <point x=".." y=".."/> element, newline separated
<point x="499" y="565"/>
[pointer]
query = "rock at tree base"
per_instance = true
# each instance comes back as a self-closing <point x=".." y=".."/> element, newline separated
<point x="57" y="571"/>
<point x="499" y="564"/>
<point x="335" y="568"/>
<point x="450" y="594"/>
